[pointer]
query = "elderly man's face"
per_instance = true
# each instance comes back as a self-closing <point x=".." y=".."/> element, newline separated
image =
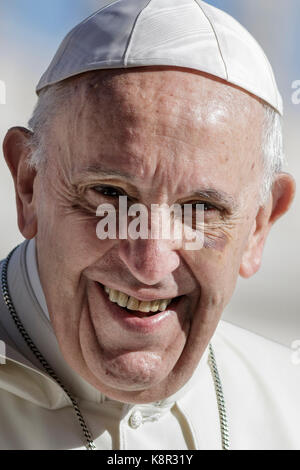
<point x="157" y="136"/>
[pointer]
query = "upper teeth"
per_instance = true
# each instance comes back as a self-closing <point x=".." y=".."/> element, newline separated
<point x="123" y="300"/>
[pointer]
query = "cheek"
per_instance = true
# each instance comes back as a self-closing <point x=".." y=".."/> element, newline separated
<point x="68" y="238"/>
<point x="215" y="241"/>
<point x="216" y="267"/>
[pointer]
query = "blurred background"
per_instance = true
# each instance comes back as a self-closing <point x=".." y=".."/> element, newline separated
<point x="31" y="31"/>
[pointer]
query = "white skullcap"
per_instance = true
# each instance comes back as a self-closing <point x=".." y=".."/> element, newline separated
<point x="182" y="33"/>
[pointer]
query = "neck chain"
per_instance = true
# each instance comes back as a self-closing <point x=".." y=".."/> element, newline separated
<point x="89" y="444"/>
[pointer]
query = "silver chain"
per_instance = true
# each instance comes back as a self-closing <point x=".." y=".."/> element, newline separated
<point x="220" y="398"/>
<point x="87" y="435"/>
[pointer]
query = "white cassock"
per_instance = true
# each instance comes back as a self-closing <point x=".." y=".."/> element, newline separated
<point x="261" y="388"/>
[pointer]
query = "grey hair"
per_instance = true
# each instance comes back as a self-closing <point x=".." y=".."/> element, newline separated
<point x="49" y="104"/>
<point x="272" y="150"/>
<point x="53" y="98"/>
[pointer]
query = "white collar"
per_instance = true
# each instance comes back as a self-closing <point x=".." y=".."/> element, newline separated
<point x="34" y="278"/>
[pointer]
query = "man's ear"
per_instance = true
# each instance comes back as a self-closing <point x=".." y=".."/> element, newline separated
<point x="282" y="195"/>
<point x="16" y="151"/>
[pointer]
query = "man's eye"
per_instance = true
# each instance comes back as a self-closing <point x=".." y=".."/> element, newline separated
<point x="206" y="206"/>
<point x="109" y="191"/>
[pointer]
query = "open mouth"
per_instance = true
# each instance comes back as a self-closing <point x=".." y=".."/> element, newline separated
<point x="138" y="307"/>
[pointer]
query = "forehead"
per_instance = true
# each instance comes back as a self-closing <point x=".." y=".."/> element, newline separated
<point x="153" y="81"/>
<point x="136" y="118"/>
<point x="151" y="94"/>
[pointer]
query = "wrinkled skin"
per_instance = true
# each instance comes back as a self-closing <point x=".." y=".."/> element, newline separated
<point x="170" y="133"/>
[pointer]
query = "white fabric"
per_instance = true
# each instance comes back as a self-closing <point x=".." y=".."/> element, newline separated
<point x="182" y="33"/>
<point x="33" y="275"/>
<point x="261" y="388"/>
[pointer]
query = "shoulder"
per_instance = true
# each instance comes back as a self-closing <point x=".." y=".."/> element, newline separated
<point x="261" y="387"/>
<point x="242" y="345"/>
<point x="255" y="358"/>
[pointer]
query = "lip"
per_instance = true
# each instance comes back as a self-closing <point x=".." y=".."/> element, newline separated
<point x="142" y="324"/>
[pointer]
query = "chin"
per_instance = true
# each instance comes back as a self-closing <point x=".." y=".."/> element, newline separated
<point x="133" y="371"/>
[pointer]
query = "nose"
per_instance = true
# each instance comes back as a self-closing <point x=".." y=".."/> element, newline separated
<point x="150" y="261"/>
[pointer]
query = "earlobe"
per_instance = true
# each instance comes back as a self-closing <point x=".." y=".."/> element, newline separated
<point x="16" y="151"/>
<point x="252" y="255"/>
<point x="251" y="261"/>
<point x="283" y="192"/>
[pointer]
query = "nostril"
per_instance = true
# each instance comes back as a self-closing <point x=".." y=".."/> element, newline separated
<point x="149" y="261"/>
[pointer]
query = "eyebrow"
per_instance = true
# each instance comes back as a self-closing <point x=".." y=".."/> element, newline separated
<point x="218" y="196"/>
<point x="99" y="170"/>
